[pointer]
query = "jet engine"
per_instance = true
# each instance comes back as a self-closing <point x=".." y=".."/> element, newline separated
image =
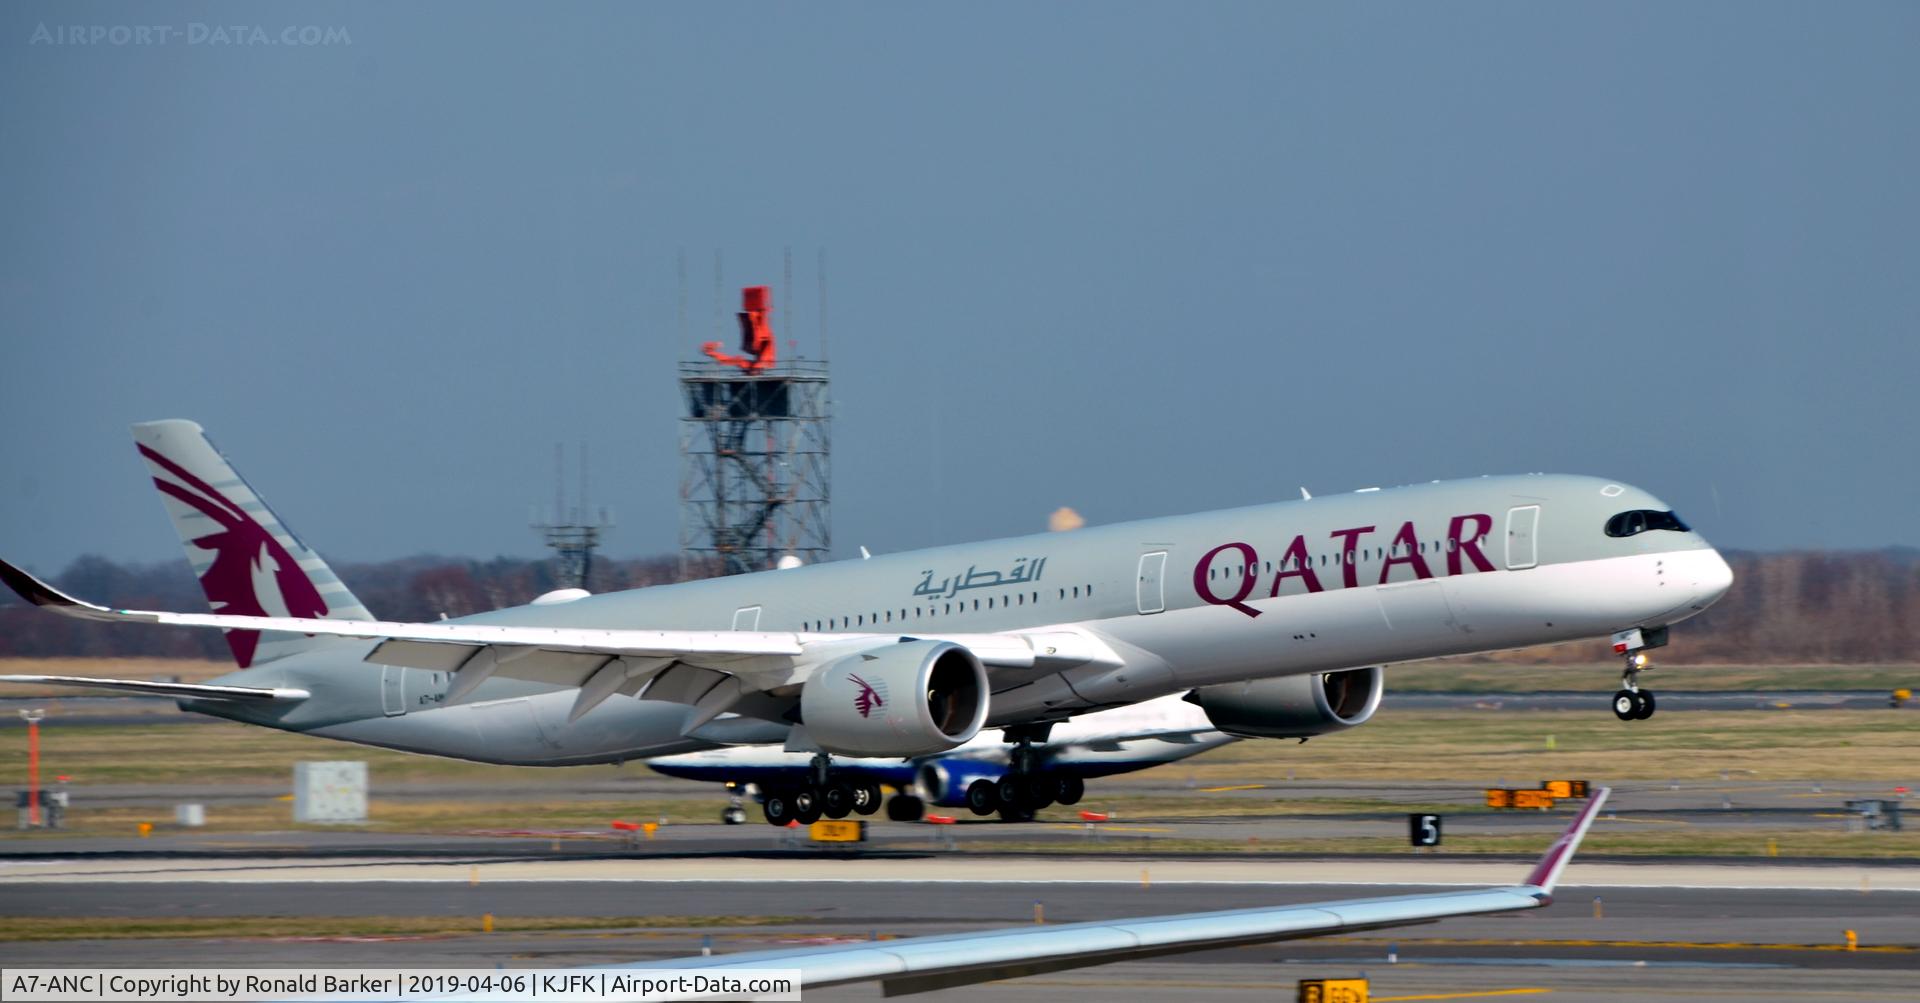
<point x="945" y="781"/>
<point x="914" y="698"/>
<point x="1317" y="703"/>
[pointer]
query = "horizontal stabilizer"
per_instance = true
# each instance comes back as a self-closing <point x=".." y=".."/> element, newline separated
<point x="182" y="691"/>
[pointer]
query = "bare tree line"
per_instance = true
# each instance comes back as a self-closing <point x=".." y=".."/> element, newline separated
<point x="1805" y="607"/>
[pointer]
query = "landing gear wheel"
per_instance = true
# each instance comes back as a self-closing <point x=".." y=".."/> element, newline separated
<point x="778" y="806"/>
<point x="905" y="808"/>
<point x="806" y="806"/>
<point x="1626" y="705"/>
<point x="1011" y="791"/>
<point x="1040" y="792"/>
<point x="983" y="797"/>
<point x="1644" y="705"/>
<point x="734" y="815"/>
<point x="1071" y="790"/>
<point x="836" y="800"/>
<point x="866" y="798"/>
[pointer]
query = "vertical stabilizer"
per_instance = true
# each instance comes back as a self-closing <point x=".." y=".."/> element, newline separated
<point x="248" y="562"/>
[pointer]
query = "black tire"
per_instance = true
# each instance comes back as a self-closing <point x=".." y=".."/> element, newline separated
<point x="778" y="807"/>
<point x="866" y="798"/>
<point x="836" y="801"/>
<point x="1072" y="789"/>
<point x="905" y="808"/>
<point x="1646" y="705"/>
<point x="1040" y="792"/>
<point x="1625" y="705"/>
<point x="806" y="806"/>
<point x="1012" y="792"/>
<point x="983" y="797"/>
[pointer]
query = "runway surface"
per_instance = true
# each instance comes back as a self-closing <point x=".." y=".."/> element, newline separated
<point x="1780" y="937"/>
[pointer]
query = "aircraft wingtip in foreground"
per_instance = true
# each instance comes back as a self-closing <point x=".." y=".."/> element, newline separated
<point x="923" y="964"/>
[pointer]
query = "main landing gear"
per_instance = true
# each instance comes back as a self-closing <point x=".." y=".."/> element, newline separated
<point x="1026" y="788"/>
<point x="824" y="794"/>
<point x="1633" y="703"/>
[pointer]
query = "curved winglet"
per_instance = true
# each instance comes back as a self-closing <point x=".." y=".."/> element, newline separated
<point x="40" y="593"/>
<point x="1546" y="873"/>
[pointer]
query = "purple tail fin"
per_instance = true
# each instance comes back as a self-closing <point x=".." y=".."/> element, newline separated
<point x="248" y="561"/>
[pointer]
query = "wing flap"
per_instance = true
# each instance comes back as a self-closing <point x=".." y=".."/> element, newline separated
<point x="569" y="656"/>
<point x="183" y="691"/>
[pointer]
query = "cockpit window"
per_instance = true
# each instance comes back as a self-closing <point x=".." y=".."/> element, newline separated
<point x="1640" y="520"/>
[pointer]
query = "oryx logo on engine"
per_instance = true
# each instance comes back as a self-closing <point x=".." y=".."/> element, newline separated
<point x="869" y="698"/>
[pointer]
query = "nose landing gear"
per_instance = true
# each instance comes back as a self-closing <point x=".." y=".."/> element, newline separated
<point x="1632" y="703"/>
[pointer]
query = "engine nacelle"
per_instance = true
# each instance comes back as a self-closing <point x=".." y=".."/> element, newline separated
<point x="945" y="781"/>
<point x="914" y="698"/>
<point x="1318" y="703"/>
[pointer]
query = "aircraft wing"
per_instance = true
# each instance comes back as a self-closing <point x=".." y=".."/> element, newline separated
<point x="922" y="964"/>
<point x="184" y="691"/>
<point x="683" y="666"/>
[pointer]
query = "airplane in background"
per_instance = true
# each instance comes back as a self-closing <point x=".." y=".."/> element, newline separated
<point x="980" y="776"/>
<point x="1275" y="619"/>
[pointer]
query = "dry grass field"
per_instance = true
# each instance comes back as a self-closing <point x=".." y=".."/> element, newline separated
<point x="1475" y="747"/>
<point x="1485" y="746"/>
<point x="1462" y="676"/>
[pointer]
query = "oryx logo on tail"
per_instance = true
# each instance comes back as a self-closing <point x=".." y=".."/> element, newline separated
<point x="868" y="699"/>
<point x="251" y="573"/>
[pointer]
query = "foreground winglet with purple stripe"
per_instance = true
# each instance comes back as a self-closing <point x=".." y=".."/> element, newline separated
<point x="921" y="964"/>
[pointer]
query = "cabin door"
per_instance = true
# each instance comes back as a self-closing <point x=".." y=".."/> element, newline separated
<point x="1523" y="523"/>
<point x="1152" y="589"/>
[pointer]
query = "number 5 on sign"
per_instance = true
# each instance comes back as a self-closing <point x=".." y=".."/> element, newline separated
<point x="1423" y="830"/>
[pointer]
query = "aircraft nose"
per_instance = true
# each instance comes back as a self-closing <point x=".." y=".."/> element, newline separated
<point x="1712" y="578"/>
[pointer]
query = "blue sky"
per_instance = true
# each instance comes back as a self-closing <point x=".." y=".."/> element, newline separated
<point x="1133" y="258"/>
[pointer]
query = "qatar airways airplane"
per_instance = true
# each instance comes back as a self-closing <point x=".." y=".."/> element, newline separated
<point x="1275" y="619"/>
